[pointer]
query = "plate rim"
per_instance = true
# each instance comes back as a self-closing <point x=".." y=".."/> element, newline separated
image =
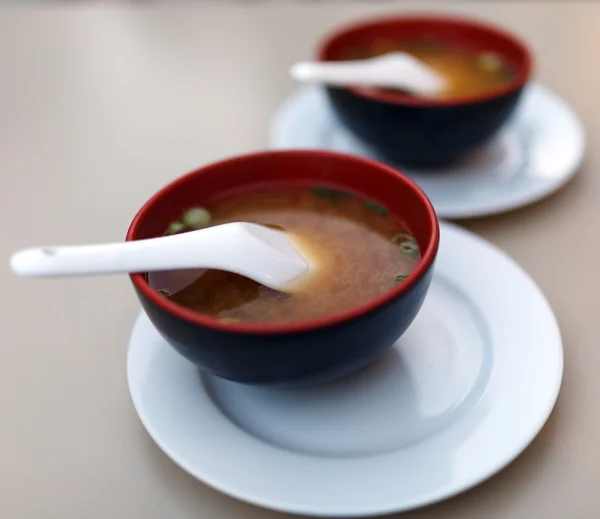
<point x="396" y="507"/>
<point x="518" y="200"/>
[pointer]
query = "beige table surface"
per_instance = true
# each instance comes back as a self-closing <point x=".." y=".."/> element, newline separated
<point x="99" y="107"/>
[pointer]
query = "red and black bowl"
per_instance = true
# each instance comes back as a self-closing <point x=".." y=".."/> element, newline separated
<point x="426" y="131"/>
<point x="300" y="352"/>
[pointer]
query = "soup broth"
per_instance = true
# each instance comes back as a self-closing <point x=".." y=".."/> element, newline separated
<point x="466" y="71"/>
<point x="361" y="252"/>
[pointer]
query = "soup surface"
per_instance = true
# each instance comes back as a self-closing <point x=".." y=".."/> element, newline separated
<point x="361" y="252"/>
<point x="467" y="72"/>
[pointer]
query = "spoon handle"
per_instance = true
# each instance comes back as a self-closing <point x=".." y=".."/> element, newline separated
<point x="254" y="251"/>
<point x="209" y="248"/>
<point x="337" y="73"/>
<point x="112" y="258"/>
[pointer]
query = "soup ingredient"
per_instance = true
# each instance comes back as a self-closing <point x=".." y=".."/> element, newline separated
<point x="191" y="220"/>
<point x="489" y="62"/>
<point x="228" y="320"/>
<point x="333" y="195"/>
<point x="175" y="227"/>
<point x="196" y="218"/>
<point x="467" y="71"/>
<point x="355" y="248"/>
<point x="406" y="243"/>
<point x="375" y="207"/>
<point x="400" y="278"/>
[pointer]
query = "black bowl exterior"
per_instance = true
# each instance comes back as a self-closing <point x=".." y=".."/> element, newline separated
<point x="422" y="135"/>
<point x="292" y="359"/>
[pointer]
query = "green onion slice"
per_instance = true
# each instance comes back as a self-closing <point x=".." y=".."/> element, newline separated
<point x="406" y="243"/>
<point x="228" y="320"/>
<point x="369" y="204"/>
<point x="333" y="195"/>
<point x="175" y="228"/>
<point x="489" y="62"/>
<point x="409" y="248"/>
<point x="196" y="218"/>
<point x="400" y="278"/>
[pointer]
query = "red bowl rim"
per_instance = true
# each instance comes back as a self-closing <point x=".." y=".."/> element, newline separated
<point x="518" y="82"/>
<point x="207" y="321"/>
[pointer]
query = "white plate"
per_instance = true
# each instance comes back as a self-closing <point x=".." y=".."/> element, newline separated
<point x="463" y="392"/>
<point x="538" y="151"/>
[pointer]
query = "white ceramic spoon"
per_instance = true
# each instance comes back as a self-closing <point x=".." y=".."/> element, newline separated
<point x="393" y="70"/>
<point x="257" y="252"/>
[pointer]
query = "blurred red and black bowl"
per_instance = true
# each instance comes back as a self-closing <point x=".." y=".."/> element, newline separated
<point x="427" y="131"/>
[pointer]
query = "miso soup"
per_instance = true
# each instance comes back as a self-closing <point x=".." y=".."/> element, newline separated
<point x="467" y="72"/>
<point x="361" y="251"/>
